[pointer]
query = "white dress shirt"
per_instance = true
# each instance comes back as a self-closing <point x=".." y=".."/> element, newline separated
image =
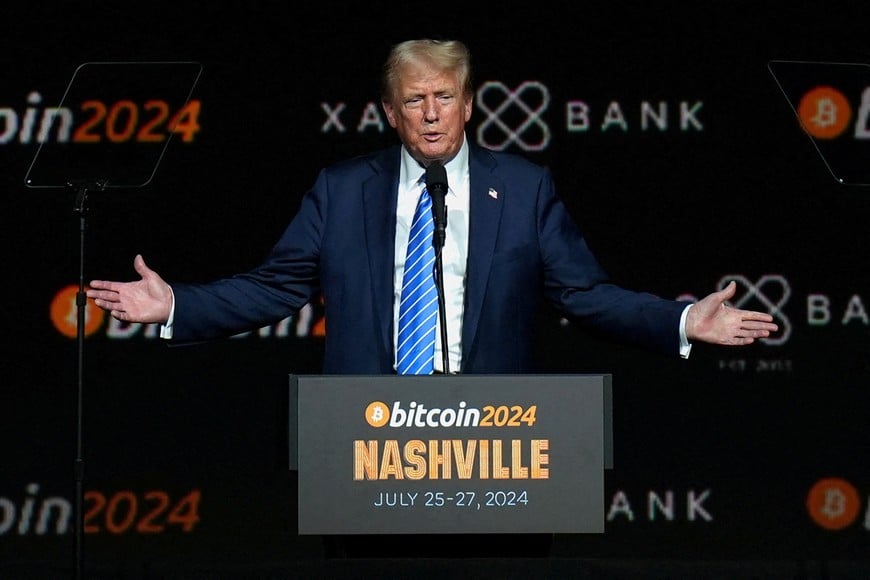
<point x="454" y="254"/>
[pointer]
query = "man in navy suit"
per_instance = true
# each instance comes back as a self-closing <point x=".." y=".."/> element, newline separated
<point x="509" y="239"/>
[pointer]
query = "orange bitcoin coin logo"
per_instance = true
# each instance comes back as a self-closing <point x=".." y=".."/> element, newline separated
<point x="824" y="112"/>
<point x="833" y="503"/>
<point x="377" y="414"/>
<point x="64" y="313"/>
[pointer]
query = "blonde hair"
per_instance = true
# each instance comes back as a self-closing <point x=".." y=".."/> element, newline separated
<point x="446" y="55"/>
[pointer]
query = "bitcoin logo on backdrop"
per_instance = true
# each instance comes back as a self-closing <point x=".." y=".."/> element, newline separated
<point x="824" y="112"/>
<point x="513" y="116"/>
<point x="755" y="291"/>
<point x="833" y="503"/>
<point x="64" y="313"/>
<point x="377" y="414"/>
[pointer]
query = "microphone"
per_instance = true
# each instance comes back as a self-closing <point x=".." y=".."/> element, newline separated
<point x="436" y="185"/>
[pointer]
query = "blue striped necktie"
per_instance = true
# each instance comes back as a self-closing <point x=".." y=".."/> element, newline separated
<point x="418" y="310"/>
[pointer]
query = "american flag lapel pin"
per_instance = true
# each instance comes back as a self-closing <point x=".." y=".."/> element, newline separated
<point x="493" y="193"/>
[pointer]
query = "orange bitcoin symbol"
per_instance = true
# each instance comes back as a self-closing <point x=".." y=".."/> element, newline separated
<point x="824" y="112"/>
<point x="377" y="414"/>
<point x="833" y="503"/>
<point x="64" y="313"/>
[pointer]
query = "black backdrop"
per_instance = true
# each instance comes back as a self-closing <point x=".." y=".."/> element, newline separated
<point x="737" y="439"/>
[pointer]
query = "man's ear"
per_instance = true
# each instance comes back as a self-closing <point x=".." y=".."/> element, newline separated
<point x="390" y="111"/>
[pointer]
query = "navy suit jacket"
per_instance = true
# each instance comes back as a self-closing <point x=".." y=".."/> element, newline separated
<point x="522" y="245"/>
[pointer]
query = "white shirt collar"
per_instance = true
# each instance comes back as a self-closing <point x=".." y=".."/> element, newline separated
<point x="411" y="171"/>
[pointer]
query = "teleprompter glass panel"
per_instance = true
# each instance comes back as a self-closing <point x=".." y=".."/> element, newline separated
<point x="832" y="103"/>
<point x="114" y="123"/>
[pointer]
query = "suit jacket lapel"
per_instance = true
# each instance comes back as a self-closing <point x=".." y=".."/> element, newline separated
<point x="485" y="210"/>
<point x="380" y="195"/>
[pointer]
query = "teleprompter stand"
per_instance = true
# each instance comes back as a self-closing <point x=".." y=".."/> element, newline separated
<point x="106" y="134"/>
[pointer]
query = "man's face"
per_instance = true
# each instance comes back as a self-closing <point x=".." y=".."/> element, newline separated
<point x="429" y="112"/>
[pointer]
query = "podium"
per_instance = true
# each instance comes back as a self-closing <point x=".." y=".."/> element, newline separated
<point x="450" y="454"/>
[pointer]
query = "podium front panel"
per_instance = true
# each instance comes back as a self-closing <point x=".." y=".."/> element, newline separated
<point x="450" y="454"/>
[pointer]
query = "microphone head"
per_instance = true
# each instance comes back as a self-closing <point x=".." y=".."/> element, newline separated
<point x="436" y="177"/>
<point x="436" y="185"/>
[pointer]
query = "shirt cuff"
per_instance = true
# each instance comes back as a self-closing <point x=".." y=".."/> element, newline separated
<point x="685" y="345"/>
<point x="166" y="329"/>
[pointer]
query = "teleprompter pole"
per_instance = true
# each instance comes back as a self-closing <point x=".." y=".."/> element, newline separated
<point x="81" y="189"/>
